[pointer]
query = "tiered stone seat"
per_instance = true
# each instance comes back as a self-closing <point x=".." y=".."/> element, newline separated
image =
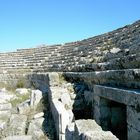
<point x="114" y="50"/>
<point x="98" y="53"/>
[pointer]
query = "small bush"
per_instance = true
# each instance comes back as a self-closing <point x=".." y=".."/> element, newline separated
<point x="20" y="83"/>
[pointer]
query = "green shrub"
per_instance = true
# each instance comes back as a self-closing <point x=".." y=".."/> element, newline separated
<point x="20" y="83"/>
<point x="20" y="98"/>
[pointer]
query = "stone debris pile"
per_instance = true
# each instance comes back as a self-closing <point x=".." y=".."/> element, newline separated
<point x="21" y="119"/>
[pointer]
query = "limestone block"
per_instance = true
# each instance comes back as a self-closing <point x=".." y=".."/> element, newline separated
<point x="56" y="92"/>
<point x="133" y="117"/>
<point x="36" y="96"/>
<point x="90" y="130"/>
<point x="23" y="137"/>
<point x="22" y="91"/>
<point x="3" y="124"/>
<point x="39" y="115"/>
<point x="66" y="100"/>
<point x="35" y="129"/>
<point x="5" y="97"/>
<point x="132" y="133"/>
<point x="17" y="125"/>
<point x="115" y="50"/>
<point x="5" y="115"/>
<point x="54" y="79"/>
<point x="82" y="126"/>
<point x="71" y="115"/>
<point x="6" y="106"/>
<point x="24" y="108"/>
<point x="60" y="116"/>
<point x="2" y="90"/>
<point x="98" y="135"/>
<point x="127" y="97"/>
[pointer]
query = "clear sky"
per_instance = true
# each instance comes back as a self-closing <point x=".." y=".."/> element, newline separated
<point x="28" y="23"/>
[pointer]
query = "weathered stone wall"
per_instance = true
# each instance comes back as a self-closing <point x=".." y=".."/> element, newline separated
<point x="13" y="80"/>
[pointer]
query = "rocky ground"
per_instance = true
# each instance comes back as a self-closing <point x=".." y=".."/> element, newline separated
<point x="23" y="115"/>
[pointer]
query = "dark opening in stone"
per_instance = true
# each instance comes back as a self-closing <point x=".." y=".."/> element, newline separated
<point x="85" y="113"/>
<point x="113" y="118"/>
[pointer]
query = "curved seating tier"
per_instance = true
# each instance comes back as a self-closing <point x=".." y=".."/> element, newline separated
<point x="119" y="49"/>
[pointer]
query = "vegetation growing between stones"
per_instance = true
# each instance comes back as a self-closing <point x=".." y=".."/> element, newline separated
<point x="19" y="99"/>
<point x="20" y="83"/>
<point x="7" y="86"/>
<point x="62" y="79"/>
<point x="50" y="129"/>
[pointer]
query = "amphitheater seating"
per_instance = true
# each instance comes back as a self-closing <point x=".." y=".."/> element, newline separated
<point x="118" y="49"/>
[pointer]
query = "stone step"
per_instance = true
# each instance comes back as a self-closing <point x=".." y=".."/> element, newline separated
<point x="120" y="95"/>
<point x="129" y="78"/>
<point x="10" y="70"/>
<point x="126" y="62"/>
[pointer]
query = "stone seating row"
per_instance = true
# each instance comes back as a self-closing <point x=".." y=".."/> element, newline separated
<point x="110" y="49"/>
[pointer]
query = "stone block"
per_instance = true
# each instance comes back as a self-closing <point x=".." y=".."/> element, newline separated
<point x="22" y="91"/>
<point x="133" y="134"/>
<point x="23" y="137"/>
<point x="17" y="125"/>
<point x="35" y="129"/>
<point x="5" y="115"/>
<point x="90" y="130"/>
<point x="6" y="106"/>
<point x="127" y="97"/>
<point x="71" y="115"/>
<point x="66" y="100"/>
<point x="133" y="117"/>
<point x="98" y="135"/>
<point x="3" y="124"/>
<point x="60" y="116"/>
<point x="38" y="115"/>
<point x="54" y="79"/>
<point x="24" y="108"/>
<point x="6" y="97"/>
<point x="36" y="96"/>
<point x="82" y="126"/>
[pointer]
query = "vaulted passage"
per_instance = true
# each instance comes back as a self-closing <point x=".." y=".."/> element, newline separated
<point x="113" y="118"/>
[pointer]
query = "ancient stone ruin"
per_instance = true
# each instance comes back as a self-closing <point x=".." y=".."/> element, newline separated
<point x="84" y="90"/>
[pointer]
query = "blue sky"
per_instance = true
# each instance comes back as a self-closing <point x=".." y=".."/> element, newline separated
<point x="28" y="23"/>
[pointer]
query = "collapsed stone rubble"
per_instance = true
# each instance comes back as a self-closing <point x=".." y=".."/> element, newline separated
<point x="21" y="120"/>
